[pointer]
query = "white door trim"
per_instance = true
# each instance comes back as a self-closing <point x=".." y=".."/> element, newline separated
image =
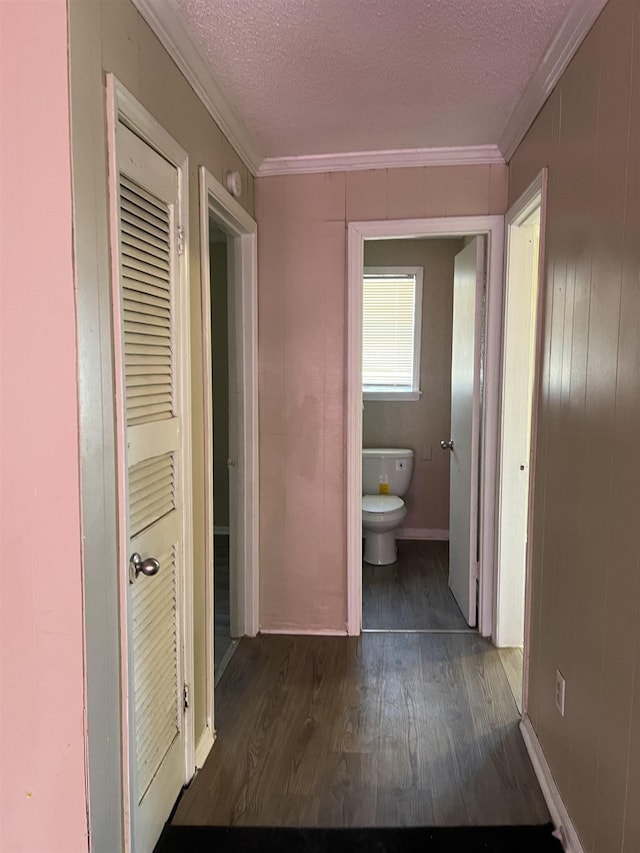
<point x="517" y="213"/>
<point x="455" y="226"/>
<point x="236" y="222"/>
<point x="122" y="106"/>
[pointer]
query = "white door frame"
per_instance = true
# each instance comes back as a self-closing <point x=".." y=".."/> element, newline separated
<point x="455" y="226"/>
<point x="535" y="195"/>
<point x="215" y="201"/>
<point x="122" y="106"/>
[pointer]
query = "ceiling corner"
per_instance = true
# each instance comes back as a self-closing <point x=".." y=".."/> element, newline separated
<point x="165" y="20"/>
<point x="575" y="27"/>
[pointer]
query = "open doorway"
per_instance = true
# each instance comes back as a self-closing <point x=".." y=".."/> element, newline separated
<point x="412" y="291"/>
<point x="230" y="390"/>
<point x="224" y="643"/>
<point x="517" y="423"/>
<point x="485" y="317"/>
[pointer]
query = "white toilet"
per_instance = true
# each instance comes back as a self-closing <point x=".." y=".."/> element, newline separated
<point x="386" y="474"/>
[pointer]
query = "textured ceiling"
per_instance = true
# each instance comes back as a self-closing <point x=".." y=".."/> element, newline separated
<point x="330" y="76"/>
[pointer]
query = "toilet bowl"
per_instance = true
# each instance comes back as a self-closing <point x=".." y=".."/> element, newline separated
<point x="382" y="515"/>
<point x="386" y="474"/>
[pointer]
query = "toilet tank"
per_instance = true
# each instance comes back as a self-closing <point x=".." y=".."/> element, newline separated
<point x="386" y="470"/>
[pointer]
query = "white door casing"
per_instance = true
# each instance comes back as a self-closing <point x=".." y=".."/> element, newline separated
<point x="533" y="198"/>
<point x="231" y="217"/>
<point x="465" y="423"/>
<point x="148" y="225"/>
<point x="492" y="227"/>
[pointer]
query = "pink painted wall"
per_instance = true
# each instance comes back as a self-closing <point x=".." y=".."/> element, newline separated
<point x="42" y="727"/>
<point x="302" y="362"/>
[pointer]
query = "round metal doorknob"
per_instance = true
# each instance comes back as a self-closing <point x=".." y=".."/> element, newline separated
<point x="137" y="565"/>
<point x="447" y="445"/>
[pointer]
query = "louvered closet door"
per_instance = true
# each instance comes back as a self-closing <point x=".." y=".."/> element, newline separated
<point x="148" y="196"/>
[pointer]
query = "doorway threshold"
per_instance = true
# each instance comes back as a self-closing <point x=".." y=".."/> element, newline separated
<point x="419" y="630"/>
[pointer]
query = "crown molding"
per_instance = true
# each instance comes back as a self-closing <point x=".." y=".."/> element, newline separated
<point x="358" y="160"/>
<point x="165" y="20"/>
<point x="577" y="23"/>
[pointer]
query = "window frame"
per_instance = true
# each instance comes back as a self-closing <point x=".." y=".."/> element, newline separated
<point x="388" y="394"/>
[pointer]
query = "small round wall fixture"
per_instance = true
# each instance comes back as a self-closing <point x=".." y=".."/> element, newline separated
<point x="234" y="183"/>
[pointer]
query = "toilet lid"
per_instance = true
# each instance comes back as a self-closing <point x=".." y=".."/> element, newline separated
<point x="381" y="503"/>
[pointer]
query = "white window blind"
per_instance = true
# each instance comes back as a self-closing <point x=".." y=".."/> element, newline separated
<point x="391" y="313"/>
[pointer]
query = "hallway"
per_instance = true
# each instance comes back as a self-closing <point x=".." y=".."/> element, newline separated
<point x="381" y="730"/>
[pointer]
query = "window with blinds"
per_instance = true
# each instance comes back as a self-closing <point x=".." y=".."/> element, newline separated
<point x="391" y="328"/>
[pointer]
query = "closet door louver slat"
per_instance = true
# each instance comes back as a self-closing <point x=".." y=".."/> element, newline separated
<point x="147" y="309"/>
<point x="141" y="390"/>
<point x="141" y="303"/>
<point x="141" y="318"/>
<point x="156" y="699"/>
<point x="134" y="274"/>
<point x="144" y="225"/>
<point x="137" y="237"/>
<point x="139" y="202"/>
<point x="140" y="255"/>
<point x="133" y="327"/>
<point x="143" y="297"/>
<point x="134" y="348"/>
<point x="152" y="488"/>
<point x="150" y="485"/>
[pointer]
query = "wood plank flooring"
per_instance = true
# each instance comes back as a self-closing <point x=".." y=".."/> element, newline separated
<point x="413" y="593"/>
<point x="221" y="621"/>
<point x="380" y="730"/>
<point x="513" y="663"/>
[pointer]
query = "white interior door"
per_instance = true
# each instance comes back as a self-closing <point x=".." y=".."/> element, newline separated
<point x="465" y="419"/>
<point x="148" y="248"/>
<point x="515" y="439"/>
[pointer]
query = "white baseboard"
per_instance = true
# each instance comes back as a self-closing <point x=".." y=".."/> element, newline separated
<point x="565" y="829"/>
<point x="203" y="748"/>
<point x="422" y="533"/>
<point x="221" y="531"/>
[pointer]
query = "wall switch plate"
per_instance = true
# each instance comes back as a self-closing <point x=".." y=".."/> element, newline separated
<point x="560" y="691"/>
<point x="426" y="453"/>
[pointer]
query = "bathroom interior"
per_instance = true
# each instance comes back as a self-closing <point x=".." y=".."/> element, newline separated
<point x="411" y="593"/>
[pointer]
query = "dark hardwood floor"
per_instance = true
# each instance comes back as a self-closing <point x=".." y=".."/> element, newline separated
<point x="389" y="729"/>
<point x="413" y="593"/>
<point x="221" y="621"/>
<point x="382" y="730"/>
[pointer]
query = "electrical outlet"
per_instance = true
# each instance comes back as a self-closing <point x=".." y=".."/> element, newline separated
<point x="560" y="691"/>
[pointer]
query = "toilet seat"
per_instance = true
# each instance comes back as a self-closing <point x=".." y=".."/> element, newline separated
<point x="385" y="509"/>
<point x="381" y="503"/>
